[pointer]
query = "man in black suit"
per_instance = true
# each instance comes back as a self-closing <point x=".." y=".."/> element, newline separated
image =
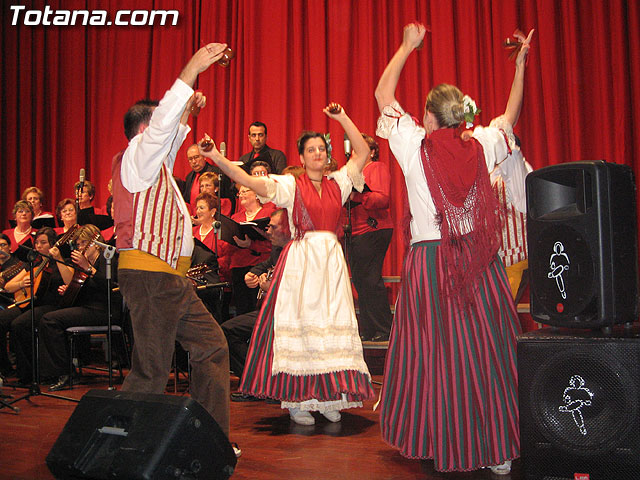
<point x="190" y="187"/>
<point x="261" y="151"/>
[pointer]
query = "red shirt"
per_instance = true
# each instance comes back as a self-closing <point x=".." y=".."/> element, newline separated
<point x="223" y="252"/>
<point x="375" y="203"/>
<point x="244" y="257"/>
<point x="14" y="243"/>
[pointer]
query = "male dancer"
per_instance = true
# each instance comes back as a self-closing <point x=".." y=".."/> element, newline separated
<point x="155" y="244"/>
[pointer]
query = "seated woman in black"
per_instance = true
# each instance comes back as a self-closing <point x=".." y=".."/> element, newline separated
<point x="88" y="308"/>
<point x="47" y="278"/>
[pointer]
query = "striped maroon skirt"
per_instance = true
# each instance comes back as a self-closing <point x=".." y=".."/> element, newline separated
<point x="450" y="385"/>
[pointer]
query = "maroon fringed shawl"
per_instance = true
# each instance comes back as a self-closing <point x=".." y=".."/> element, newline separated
<point x="468" y="210"/>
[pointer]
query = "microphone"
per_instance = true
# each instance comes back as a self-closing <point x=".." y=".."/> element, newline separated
<point x="82" y="177"/>
<point x="347" y="147"/>
<point x="102" y="244"/>
<point x="223" y="152"/>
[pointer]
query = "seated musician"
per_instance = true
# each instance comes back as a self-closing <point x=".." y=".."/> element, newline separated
<point x="17" y="320"/>
<point x="209" y="184"/>
<point x="7" y="260"/>
<point x="239" y="329"/>
<point x="204" y="231"/>
<point x="35" y="197"/>
<point x="21" y="233"/>
<point x="86" y="196"/>
<point x="8" y="265"/>
<point x="204" y="272"/>
<point x="66" y="214"/>
<point x="84" y="301"/>
<point x="247" y="253"/>
<point x="258" y="168"/>
<point x="109" y="234"/>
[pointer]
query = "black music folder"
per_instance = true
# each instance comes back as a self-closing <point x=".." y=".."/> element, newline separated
<point x="255" y="230"/>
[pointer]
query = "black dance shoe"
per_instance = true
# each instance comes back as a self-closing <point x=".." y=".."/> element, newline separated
<point x="382" y="337"/>
<point x="243" y="397"/>
<point x="64" y="383"/>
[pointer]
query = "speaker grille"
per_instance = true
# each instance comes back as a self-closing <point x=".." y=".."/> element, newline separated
<point x="580" y="403"/>
<point x="564" y="271"/>
<point x="584" y="403"/>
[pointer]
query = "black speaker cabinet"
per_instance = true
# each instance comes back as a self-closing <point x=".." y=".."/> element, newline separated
<point x="124" y="435"/>
<point x="582" y="236"/>
<point x="580" y="404"/>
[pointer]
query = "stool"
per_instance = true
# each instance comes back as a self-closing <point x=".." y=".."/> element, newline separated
<point x="75" y="332"/>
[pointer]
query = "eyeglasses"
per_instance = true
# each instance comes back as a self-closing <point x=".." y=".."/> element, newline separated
<point x="242" y="193"/>
<point x="194" y="158"/>
<point x="259" y="173"/>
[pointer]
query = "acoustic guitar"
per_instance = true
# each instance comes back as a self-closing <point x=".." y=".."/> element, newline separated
<point x="77" y="282"/>
<point x="262" y="293"/>
<point x="23" y="295"/>
<point x="12" y="271"/>
<point x="197" y="272"/>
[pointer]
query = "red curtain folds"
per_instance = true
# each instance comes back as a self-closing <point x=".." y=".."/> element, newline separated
<point x="65" y="89"/>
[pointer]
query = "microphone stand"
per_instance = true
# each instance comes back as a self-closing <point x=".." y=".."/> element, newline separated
<point x="78" y="193"/>
<point x="217" y="232"/>
<point x="34" y="388"/>
<point x="109" y="253"/>
<point x="347" y="228"/>
<point x="217" y="225"/>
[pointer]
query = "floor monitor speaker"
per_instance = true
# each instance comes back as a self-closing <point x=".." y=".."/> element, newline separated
<point x="125" y="435"/>
<point x="579" y="394"/>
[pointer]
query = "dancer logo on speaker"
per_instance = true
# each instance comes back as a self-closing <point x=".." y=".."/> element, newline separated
<point x="558" y="264"/>
<point x="575" y="397"/>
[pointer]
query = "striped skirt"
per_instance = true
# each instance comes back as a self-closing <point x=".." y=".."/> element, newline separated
<point x="329" y="390"/>
<point x="450" y="385"/>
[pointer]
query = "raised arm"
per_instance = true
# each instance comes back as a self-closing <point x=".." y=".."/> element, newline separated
<point x="514" y="104"/>
<point x="360" y="147"/>
<point x="163" y="136"/>
<point x="386" y="89"/>
<point x="201" y="60"/>
<point x="234" y="172"/>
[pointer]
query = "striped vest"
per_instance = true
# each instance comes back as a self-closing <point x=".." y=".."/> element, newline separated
<point x="514" y="231"/>
<point x="150" y="220"/>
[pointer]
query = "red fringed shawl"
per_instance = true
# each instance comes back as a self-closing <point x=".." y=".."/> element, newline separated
<point x="468" y="210"/>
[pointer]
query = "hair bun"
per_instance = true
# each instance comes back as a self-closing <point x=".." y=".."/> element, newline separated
<point x="457" y="110"/>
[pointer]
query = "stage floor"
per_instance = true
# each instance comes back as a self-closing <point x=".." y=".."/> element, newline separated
<point x="273" y="447"/>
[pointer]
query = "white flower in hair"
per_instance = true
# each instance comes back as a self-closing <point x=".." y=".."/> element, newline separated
<point x="470" y="110"/>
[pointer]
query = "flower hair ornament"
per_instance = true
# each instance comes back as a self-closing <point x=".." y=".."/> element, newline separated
<point x="327" y="138"/>
<point x="470" y="110"/>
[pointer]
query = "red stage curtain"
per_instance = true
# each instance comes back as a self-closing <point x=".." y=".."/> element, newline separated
<point x="65" y="89"/>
